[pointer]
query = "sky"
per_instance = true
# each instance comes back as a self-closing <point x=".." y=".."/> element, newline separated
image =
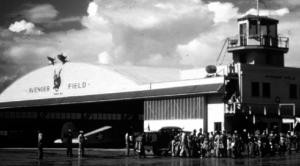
<point x="155" y="33"/>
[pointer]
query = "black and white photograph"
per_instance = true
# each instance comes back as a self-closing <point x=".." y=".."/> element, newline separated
<point x="149" y="82"/>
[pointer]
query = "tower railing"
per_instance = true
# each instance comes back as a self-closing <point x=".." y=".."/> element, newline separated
<point x="258" y="40"/>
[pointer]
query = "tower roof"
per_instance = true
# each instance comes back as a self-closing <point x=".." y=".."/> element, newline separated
<point x="261" y="18"/>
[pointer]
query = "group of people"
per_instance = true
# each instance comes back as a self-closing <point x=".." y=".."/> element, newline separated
<point x="198" y="144"/>
<point x="67" y="140"/>
<point x="136" y="143"/>
<point x="235" y="145"/>
<point x="223" y="144"/>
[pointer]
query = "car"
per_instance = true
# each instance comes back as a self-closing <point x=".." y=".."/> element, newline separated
<point x="160" y="142"/>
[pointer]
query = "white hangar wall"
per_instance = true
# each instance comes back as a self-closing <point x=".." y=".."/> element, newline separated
<point x="215" y="113"/>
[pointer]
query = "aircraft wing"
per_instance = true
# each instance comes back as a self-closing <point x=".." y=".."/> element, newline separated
<point x="97" y="131"/>
<point x="75" y="140"/>
<point x="58" y="141"/>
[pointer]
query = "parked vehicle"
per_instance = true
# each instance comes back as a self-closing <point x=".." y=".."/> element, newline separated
<point x="160" y="142"/>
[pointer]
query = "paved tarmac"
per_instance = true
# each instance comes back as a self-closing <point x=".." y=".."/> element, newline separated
<point x="109" y="157"/>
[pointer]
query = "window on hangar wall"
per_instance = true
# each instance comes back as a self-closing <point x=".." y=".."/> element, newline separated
<point x="266" y="87"/>
<point x="293" y="91"/>
<point x="255" y="89"/>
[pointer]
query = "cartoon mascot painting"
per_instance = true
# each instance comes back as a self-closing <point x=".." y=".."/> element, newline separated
<point x="56" y="76"/>
<point x="57" y="80"/>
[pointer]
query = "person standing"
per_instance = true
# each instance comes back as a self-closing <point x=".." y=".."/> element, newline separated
<point x="81" y="144"/>
<point x="184" y="145"/>
<point x="175" y="145"/>
<point x="288" y="142"/>
<point x="40" y="145"/>
<point x="297" y="141"/>
<point x="217" y="144"/>
<point x="251" y="145"/>
<point x="224" y="142"/>
<point x="235" y="144"/>
<point x="211" y="143"/>
<point x="193" y="144"/>
<point x="140" y="142"/>
<point x="200" y="139"/>
<point x="69" y="137"/>
<point x="245" y="141"/>
<point x="264" y="143"/>
<point x="128" y="142"/>
<point x="230" y="145"/>
<point x="205" y="145"/>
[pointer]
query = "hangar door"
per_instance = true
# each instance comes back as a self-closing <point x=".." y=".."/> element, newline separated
<point x="175" y="108"/>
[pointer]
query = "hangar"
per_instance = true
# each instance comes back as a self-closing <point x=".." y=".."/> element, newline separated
<point x="91" y="96"/>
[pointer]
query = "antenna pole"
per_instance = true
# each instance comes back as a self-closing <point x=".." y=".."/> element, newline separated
<point x="257" y="7"/>
<point x="258" y="21"/>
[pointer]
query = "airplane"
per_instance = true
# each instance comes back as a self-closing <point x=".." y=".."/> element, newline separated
<point x="75" y="140"/>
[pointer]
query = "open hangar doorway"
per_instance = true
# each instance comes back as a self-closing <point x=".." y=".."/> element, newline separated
<point x="20" y="125"/>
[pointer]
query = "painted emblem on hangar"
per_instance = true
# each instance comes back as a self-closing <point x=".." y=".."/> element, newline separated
<point x="57" y="69"/>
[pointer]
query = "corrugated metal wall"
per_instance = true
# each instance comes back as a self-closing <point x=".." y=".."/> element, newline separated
<point x="175" y="108"/>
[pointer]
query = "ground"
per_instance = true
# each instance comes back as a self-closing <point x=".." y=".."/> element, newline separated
<point x="110" y="157"/>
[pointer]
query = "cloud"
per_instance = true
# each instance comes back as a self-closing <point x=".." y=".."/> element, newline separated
<point x="41" y="13"/>
<point x="155" y="33"/>
<point x="25" y="27"/>
<point x="78" y="45"/>
<point x="223" y="11"/>
<point x="6" y="80"/>
<point x="170" y="33"/>
<point x="148" y="32"/>
<point x="104" y="58"/>
<point x="92" y="9"/>
<point x="47" y="18"/>
<point x="291" y="29"/>
<point x="205" y="49"/>
<point x="83" y="45"/>
<point x="278" y="12"/>
<point x="62" y="22"/>
<point x="289" y="3"/>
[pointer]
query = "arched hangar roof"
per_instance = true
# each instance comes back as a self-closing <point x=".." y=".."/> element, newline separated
<point x="75" y="79"/>
<point x="79" y="82"/>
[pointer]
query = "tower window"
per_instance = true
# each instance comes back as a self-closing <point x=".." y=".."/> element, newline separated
<point x="266" y="87"/>
<point x="243" y="29"/>
<point x="293" y="91"/>
<point x="255" y="89"/>
<point x="253" y="29"/>
<point x="269" y="59"/>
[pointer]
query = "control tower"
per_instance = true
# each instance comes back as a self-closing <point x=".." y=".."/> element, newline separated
<point x="258" y="42"/>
